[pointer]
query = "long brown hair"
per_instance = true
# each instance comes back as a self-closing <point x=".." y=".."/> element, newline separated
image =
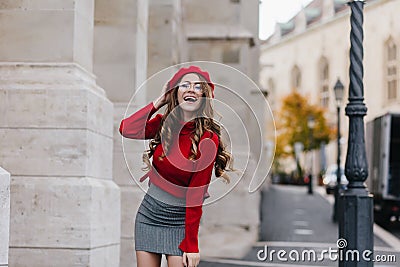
<point x="203" y="122"/>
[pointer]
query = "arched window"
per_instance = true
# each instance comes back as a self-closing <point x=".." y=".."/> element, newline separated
<point x="296" y="78"/>
<point x="391" y="69"/>
<point x="323" y="76"/>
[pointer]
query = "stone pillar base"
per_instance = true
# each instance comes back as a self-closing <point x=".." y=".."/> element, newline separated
<point x="64" y="222"/>
<point x="56" y="140"/>
<point x="4" y="216"/>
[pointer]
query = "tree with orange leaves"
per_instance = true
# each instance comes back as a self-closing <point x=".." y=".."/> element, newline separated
<point x="292" y="126"/>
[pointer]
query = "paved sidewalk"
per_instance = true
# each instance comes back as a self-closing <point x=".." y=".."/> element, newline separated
<point x="295" y="222"/>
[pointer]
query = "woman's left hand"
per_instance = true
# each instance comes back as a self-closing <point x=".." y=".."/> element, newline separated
<point x="191" y="259"/>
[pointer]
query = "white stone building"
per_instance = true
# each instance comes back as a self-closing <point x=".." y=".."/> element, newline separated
<point x="68" y="69"/>
<point x="311" y="51"/>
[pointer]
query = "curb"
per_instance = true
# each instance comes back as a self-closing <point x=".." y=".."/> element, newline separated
<point x="383" y="234"/>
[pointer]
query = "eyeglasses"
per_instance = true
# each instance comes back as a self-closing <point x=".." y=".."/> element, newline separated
<point x="197" y="86"/>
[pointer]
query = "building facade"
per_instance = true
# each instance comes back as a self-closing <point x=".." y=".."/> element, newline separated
<point x="68" y="71"/>
<point x="311" y="51"/>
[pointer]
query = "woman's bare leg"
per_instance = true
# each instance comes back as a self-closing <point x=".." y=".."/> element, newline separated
<point x="148" y="259"/>
<point x="174" y="261"/>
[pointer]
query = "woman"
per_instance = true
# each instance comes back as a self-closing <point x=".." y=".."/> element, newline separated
<point x="185" y="146"/>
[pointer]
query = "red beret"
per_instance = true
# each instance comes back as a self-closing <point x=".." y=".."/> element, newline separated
<point x="192" y="69"/>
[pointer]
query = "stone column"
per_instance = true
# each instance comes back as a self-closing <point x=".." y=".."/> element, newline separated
<point x="167" y="44"/>
<point x="250" y="23"/>
<point x="133" y="39"/>
<point x="4" y="216"/>
<point x="120" y="62"/>
<point x="56" y="137"/>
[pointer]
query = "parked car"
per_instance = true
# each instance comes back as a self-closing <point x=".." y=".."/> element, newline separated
<point x="330" y="179"/>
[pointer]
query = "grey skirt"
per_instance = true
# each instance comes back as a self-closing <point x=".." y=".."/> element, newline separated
<point x="160" y="222"/>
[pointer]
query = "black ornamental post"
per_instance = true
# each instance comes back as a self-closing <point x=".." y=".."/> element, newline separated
<point x="339" y="90"/>
<point x="356" y="204"/>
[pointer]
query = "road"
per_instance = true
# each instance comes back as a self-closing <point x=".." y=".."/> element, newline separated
<point x="298" y="224"/>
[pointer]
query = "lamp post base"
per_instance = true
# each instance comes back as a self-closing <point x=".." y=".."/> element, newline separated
<point x="336" y="205"/>
<point x="356" y="228"/>
<point x="310" y="185"/>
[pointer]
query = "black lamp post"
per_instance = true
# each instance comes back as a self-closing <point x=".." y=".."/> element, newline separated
<point x="339" y="90"/>
<point x="298" y="149"/>
<point x="355" y="203"/>
<point x="311" y="125"/>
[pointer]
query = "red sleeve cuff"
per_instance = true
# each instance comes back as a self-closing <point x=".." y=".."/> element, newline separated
<point x="189" y="246"/>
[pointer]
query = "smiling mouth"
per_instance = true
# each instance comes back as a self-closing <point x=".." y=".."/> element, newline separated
<point x="190" y="99"/>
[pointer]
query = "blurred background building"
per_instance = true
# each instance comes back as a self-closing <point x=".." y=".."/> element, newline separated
<point x="310" y="52"/>
<point x="68" y="69"/>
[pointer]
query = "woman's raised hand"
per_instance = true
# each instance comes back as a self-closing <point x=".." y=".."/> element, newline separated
<point x="163" y="98"/>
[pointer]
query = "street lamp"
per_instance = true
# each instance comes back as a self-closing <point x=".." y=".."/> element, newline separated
<point x="339" y="90"/>
<point x="311" y="125"/>
<point x="356" y="204"/>
<point x="298" y="149"/>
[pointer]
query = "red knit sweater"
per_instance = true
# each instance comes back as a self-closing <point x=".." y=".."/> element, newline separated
<point x="175" y="173"/>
